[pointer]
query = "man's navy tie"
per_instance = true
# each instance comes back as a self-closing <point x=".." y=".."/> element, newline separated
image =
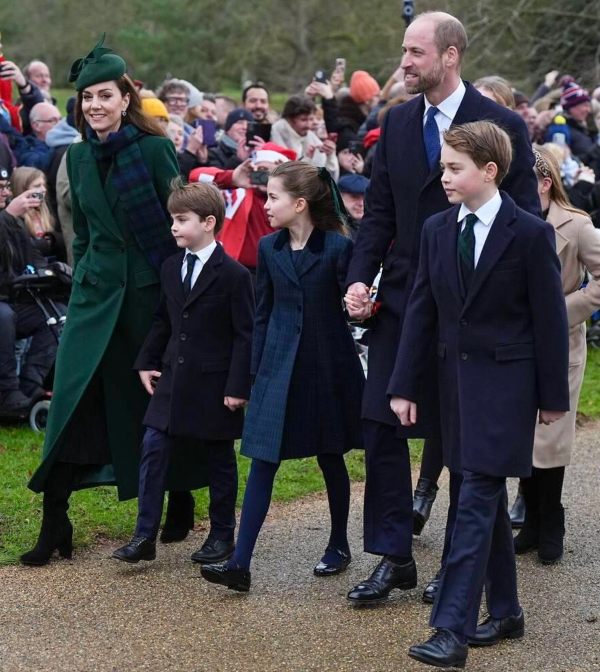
<point x="431" y="137"/>
<point x="187" y="281"/>
<point x="466" y="250"/>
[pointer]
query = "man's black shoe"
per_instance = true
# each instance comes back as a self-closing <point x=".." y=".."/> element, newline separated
<point x="139" y="548"/>
<point x="385" y="577"/>
<point x="425" y="494"/>
<point x="14" y="402"/>
<point x="234" y="578"/>
<point x="442" y="649"/>
<point x="517" y="512"/>
<point x="213" y="550"/>
<point x="492" y="630"/>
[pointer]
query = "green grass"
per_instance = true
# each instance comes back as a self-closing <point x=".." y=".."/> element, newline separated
<point x="589" y="402"/>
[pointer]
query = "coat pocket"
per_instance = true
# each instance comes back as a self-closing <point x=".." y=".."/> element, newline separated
<point x="145" y="278"/>
<point x="82" y="273"/>
<point x="507" y="353"/>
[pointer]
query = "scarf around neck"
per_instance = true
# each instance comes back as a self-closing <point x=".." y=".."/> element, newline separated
<point x="147" y="218"/>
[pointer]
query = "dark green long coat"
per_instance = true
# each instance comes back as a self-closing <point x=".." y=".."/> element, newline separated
<point x="115" y="291"/>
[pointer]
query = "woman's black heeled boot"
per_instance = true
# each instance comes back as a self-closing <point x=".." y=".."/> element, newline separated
<point x="180" y="517"/>
<point x="56" y="532"/>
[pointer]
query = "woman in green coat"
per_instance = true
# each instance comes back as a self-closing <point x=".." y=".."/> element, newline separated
<point x="119" y="177"/>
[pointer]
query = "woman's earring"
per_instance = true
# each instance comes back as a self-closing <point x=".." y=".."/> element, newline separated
<point x="123" y="113"/>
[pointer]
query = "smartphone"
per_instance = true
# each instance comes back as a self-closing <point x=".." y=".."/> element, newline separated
<point x="320" y="76"/>
<point x="355" y="147"/>
<point x="209" y="131"/>
<point x="340" y="64"/>
<point x="259" y="177"/>
<point x="255" y="128"/>
<point x="39" y="195"/>
<point x="4" y="66"/>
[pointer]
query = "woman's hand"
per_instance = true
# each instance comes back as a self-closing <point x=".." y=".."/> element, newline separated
<point x="196" y="146"/>
<point x="23" y="202"/>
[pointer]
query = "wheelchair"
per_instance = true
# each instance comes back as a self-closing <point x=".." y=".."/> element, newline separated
<point x="48" y="288"/>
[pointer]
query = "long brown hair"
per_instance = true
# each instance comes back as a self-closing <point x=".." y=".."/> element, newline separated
<point x="21" y="180"/>
<point x="303" y="180"/>
<point x="134" y="114"/>
<point x="546" y="165"/>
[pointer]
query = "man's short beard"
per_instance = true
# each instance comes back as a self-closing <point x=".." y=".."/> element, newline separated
<point x="426" y="82"/>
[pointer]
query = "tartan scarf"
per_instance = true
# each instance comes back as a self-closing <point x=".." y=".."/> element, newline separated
<point x="147" y="218"/>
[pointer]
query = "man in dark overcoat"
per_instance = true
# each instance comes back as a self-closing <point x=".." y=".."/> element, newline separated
<point x="405" y="189"/>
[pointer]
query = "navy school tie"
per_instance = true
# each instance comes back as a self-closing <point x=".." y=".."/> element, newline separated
<point x="466" y="250"/>
<point x="187" y="281"/>
<point x="431" y="137"/>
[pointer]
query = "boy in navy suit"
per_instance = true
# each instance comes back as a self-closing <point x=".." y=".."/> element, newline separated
<point x="489" y="285"/>
<point x="195" y="362"/>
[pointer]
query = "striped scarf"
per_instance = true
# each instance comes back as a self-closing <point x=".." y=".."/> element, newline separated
<point x="147" y="219"/>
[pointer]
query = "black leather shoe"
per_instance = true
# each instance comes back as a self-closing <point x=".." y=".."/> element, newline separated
<point x="180" y="517"/>
<point x="331" y="569"/>
<point x="442" y="649"/>
<point x="492" y="630"/>
<point x="213" y="550"/>
<point x="431" y="590"/>
<point x="425" y="494"/>
<point x="233" y="578"/>
<point x="385" y="577"/>
<point x="517" y="512"/>
<point x="139" y="548"/>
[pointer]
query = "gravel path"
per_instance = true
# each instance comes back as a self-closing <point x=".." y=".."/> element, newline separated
<point x="95" y="614"/>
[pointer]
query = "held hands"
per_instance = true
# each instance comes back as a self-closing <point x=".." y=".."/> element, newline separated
<point x="358" y="302"/>
<point x="149" y="380"/>
<point x="405" y="411"/>
<point x="548" y="417"/>
<point x="233" y="403"/>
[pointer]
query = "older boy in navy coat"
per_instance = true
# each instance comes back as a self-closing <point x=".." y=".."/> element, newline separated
<point x="489" y="285"/>
<point x="195" y="363"/>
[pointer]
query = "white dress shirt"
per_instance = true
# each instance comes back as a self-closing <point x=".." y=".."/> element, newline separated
<point x="447" y="109"/>
<point x="202" y="255"/>
<point x="486" y="215"/>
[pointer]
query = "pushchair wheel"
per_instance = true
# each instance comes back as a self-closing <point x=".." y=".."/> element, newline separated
<point x="38" y="416"/>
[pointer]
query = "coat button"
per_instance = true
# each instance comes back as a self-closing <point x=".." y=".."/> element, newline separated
<point x="180" y="360"/>
<point x="185" y="315"/>
<point x="95" y="248"/>
<point x="122" y="283"/>
<point x="464" y="355"/>
<point x="182" y="337"/>
<point x="464" y="323"/>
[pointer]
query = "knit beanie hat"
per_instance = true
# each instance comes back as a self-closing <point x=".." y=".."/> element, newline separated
<point x="573" y="94"/>
<point x="154" y="107"/>
<point x="239" y="114"/>
<point x="196" y="96"/>
<point x="362" y="86"/>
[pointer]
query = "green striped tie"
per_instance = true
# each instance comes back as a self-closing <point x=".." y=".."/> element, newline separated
<point x="466" y="249"/>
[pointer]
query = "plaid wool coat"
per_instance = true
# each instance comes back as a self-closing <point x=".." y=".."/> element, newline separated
<point x="308" y="379"/>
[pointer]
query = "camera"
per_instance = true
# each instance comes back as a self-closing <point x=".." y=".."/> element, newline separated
<point x="38" y="194"/>
<point x="320" y="76"/>
<point x="255" y="128"/>
<point x="259" y="178"/>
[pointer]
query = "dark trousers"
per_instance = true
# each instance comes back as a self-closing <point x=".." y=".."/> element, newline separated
<point x="24" y="321"/>
<point x="481" y="553"/>
<point x="222" y="488"/>
<point x="388" y="516"/>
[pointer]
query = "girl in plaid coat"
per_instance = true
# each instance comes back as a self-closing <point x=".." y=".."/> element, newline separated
<point x="308" y="379"/>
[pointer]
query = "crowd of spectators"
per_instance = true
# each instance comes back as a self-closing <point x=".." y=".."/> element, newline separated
<point x="334" y="123"/>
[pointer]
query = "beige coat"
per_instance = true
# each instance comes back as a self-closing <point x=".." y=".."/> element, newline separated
<point x="578" y="248"/>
